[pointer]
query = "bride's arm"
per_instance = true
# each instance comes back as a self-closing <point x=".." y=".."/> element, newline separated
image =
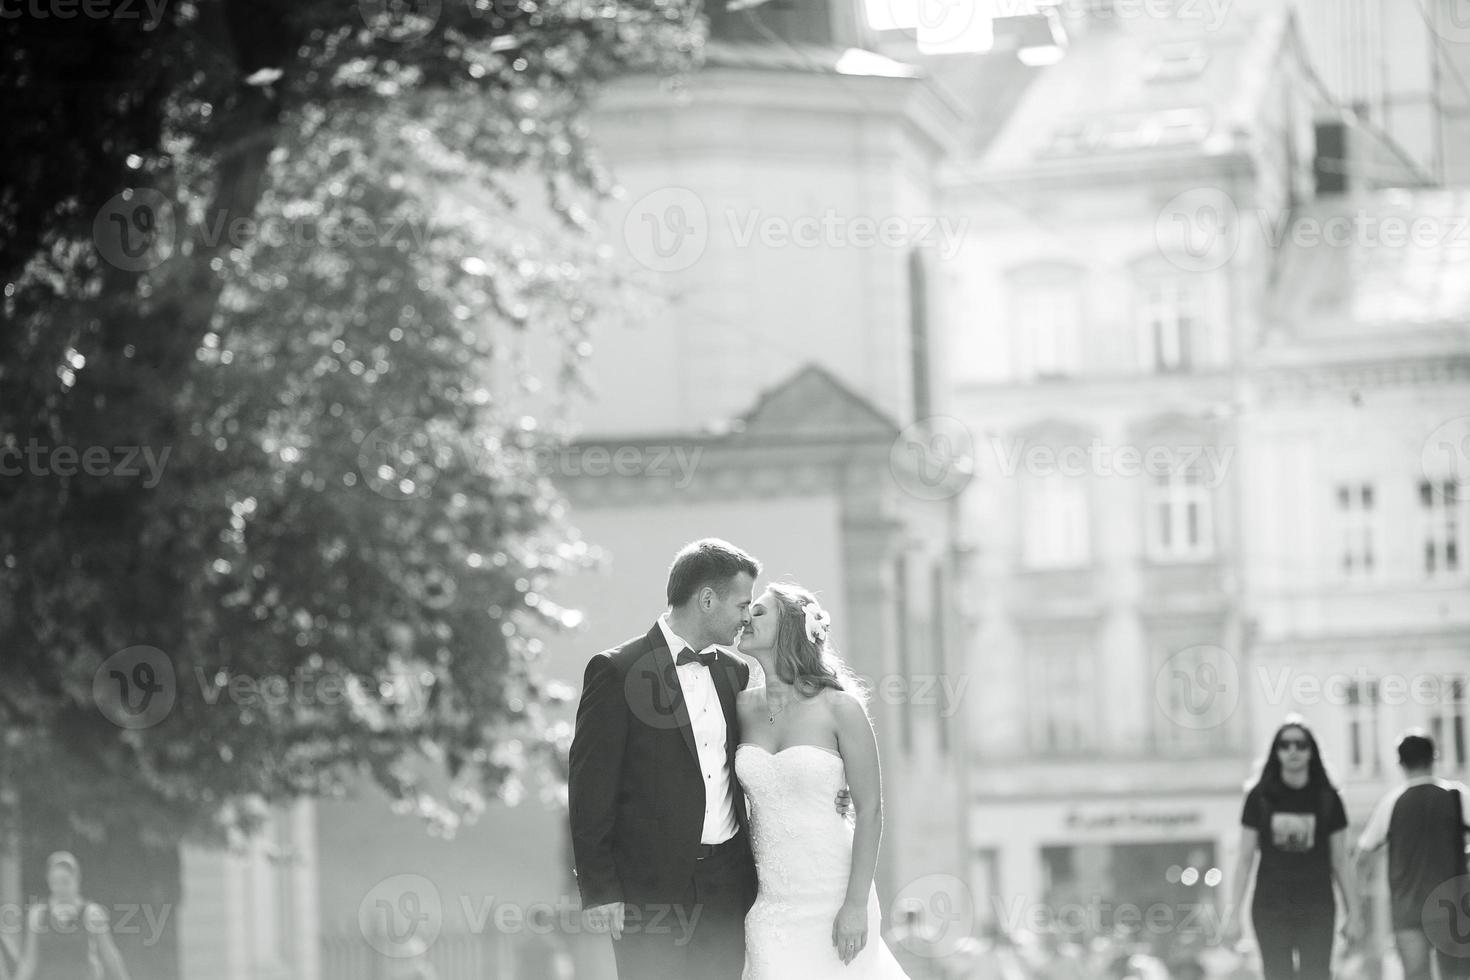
<point x="859" y="749"/>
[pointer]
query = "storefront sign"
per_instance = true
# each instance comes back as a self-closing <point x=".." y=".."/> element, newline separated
<point x="1132" y="819"/>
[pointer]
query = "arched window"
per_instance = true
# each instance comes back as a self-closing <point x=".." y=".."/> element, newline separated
<point x="1045" y="307"/>
<point x="1054" y="495"/>
<point x="1183" y="464"/>
<point x="1169" y="306"/>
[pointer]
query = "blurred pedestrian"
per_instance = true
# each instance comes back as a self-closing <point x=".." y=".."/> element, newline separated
<point x="67" y="937"/>
<point x="1061" y="959"/>
<point x="1183" y="960"/>
<point x="1423" y="822"/>
<point x="1294" y="820"/>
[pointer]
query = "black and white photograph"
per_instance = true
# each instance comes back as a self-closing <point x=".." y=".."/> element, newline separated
<point x="734" y="489"/>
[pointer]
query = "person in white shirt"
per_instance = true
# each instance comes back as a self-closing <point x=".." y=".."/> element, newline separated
<point x="1423" y="823"/>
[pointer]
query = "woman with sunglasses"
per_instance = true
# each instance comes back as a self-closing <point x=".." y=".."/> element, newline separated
<point x="1294" y="819"/>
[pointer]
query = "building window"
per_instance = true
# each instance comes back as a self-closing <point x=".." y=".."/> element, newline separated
<point x="1440" y="505"/>
<point x="1047" y="315"/>
<point x="1357" y="530"/>
<point x="1061" y="693"/>
<point x="1169" y="314"/>
<point x="1447" y="725"/>
<point x="1054" y="523"/>
<point x="1180" y="525"/>
<point x="1330" y="166"/>
<point x="1362" y="721"/>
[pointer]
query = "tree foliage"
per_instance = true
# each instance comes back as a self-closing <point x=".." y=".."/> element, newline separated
<point x="289" y="247"/>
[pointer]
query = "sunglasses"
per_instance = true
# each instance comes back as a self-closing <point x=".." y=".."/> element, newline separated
<point x="1282" y="744"/>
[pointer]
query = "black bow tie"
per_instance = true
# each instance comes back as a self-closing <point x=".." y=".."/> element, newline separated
<point x="688" y="656"/>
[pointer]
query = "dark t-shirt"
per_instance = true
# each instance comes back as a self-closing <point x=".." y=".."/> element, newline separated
<point x="1294" y="828"/>
<point x="1425" y="849"/>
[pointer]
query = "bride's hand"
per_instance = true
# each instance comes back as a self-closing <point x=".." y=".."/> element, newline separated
<point x="844" y="803"/>
<point x="850" y="931"/>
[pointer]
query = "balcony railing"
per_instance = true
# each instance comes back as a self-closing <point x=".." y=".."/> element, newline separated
<point x="463" y="956"/>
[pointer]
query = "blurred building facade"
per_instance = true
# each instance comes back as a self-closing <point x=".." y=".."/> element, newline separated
<point x="1358" y="519"/>
<point x="1099" y="320"/>
<point x="1099" y="260"/>
<point x="782" y="355"/>
<point x="1159" y="267"/>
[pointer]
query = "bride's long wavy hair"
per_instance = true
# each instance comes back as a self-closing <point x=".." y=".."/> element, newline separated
<point x="808" y="665"/>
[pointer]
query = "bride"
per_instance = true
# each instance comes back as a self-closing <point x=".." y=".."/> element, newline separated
<point x="806" y="732"/>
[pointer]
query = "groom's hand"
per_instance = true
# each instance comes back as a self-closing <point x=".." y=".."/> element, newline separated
<point x="609" y="917"/>
<point x="844" y="803"/>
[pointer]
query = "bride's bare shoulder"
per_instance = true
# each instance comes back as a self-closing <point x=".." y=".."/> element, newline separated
<point x="843" y="705"/>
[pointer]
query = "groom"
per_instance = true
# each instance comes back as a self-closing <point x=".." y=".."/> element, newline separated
<point x="658" y="821"/>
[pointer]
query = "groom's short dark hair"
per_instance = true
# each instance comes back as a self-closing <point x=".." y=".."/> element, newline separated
<point x="708" y="561"/>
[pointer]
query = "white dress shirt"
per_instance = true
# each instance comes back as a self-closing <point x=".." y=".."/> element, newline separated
<point x="707" y="718"/>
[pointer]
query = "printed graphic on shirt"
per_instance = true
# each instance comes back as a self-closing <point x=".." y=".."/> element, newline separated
<point x="1293" y="831"/>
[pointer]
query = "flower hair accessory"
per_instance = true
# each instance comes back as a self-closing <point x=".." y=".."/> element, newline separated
<point x="817" y="621"/>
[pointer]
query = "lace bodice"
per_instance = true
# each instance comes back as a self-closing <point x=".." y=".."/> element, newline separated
<point x="803" y="857"/>
<point x="802" y="845"/>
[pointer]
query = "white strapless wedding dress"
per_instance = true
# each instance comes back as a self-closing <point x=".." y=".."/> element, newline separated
<point x="803" y="855"/>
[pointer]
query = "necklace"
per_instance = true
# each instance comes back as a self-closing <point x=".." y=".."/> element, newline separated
<point x="771" y="715"/>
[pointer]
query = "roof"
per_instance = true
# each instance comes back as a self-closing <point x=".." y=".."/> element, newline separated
<point x="816" y="58"/>
<point x="1399" y="257"/>
<point x="1142" y="85"/>
<point x="835" y="23"/>
<point x="809" y="406"/>
<point x="814" y="404"/>
<point x="987" y="87"/>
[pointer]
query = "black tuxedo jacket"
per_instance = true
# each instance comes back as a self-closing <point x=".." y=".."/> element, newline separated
<point x="636" y="792"/>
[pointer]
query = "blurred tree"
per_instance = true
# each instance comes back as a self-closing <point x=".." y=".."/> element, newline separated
<point x="286" y="247"/>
